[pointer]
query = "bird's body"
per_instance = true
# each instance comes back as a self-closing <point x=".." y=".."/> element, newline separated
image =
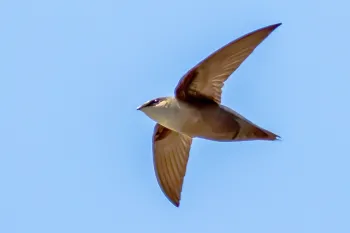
<point x="207" y="120"/>
<point x="196" y="112"/>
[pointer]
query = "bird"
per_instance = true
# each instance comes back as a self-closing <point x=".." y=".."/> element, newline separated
<point x="196" y="111"/>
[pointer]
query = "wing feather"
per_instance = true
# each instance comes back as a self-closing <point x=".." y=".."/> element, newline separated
<point x="207" y="78"/>
<point x="170" y="157"/>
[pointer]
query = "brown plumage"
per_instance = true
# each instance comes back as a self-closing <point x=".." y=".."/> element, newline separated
<point x="196" y="111"/>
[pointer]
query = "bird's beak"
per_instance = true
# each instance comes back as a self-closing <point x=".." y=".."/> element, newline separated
<point x="142" y="106"/>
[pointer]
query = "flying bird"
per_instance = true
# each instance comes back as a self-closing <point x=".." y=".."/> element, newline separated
<point x="196" y="112"/>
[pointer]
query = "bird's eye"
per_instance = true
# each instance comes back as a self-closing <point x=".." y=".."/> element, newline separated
<point x="152" y="102"/>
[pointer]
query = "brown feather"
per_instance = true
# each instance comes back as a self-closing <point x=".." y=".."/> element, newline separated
<point x="170" y="157"/>
<point x="207" y="78"/>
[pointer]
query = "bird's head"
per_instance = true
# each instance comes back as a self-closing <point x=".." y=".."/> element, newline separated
<point x="155" y="108"/>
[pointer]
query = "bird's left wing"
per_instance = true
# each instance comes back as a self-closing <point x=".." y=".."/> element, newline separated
<point x="170" y="156"/>
<point x="206" y="79"/>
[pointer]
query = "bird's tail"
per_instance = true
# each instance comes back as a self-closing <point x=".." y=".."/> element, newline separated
<point x="261" y="134"/>
<point x="250" y="131"/>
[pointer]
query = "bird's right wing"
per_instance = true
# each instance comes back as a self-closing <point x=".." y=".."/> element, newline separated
<point x="170" y="156"/>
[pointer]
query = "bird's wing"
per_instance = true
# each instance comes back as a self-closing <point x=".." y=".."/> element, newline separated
<point x="170" y="156"/>
<point x="207" y="78"/>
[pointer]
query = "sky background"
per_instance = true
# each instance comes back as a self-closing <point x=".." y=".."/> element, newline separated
<point x="75" y="155"/>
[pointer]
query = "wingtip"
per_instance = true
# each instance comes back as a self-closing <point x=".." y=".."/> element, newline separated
<point x="175" y="203"/>
<point x="278" y="138"/>
<point x="173" y="200"/>
<point x="274" y="26"/>
<point x="273" y="137"/>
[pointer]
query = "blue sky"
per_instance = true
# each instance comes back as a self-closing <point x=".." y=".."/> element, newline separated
<point x="75" y="155"/>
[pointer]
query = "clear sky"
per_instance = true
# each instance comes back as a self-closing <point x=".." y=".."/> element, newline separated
<point x="75" y="155"/>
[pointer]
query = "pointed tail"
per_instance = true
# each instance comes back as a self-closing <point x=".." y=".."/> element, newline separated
<point x="253" y="132"/>
<point x="263" y="134"/>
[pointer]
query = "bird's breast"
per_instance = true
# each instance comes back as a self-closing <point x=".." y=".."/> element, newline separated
<point x="179" y="117"/>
